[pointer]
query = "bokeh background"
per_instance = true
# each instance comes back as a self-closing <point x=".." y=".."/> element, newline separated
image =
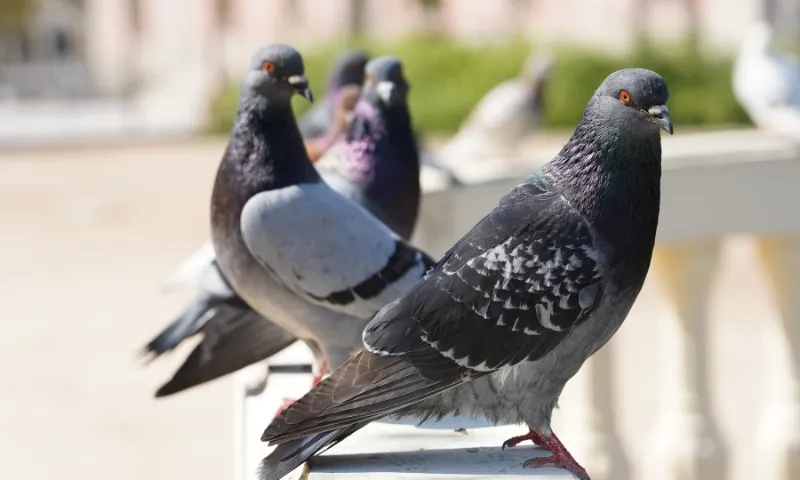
<point x="113" y="116"/>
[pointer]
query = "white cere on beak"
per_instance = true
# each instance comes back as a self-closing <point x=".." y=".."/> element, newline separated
<point x="385" y="90"/>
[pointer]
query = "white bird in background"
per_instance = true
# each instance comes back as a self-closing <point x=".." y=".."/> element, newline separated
<point x="767" y="83"/>
<point x="507" y="114"/>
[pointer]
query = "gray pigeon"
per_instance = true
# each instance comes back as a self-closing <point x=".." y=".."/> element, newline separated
<point x="376" y="165"/>
<point x="347" y="70"/>
<point x="313" y="262"/>
<point x="510" y="313"/>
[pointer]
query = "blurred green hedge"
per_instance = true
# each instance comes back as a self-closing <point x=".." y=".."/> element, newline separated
<point x="448" y="78"/>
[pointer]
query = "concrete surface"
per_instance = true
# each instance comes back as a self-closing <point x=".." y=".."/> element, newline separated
<point x="89" y="235"/>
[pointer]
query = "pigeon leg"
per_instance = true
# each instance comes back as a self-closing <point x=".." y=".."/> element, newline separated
<point x="314" y="382"/>
<point x="531" y="435"/>
<point x="560" y="457"/>
<point x="286" y="403"/>
<point x="323" y="370"/>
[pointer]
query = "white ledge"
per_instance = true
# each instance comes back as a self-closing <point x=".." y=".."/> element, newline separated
<point x="383" y="450"/>
<point x="713" y="185"/>
<point x="679" y="151"/>
<point x="391" y="448"/>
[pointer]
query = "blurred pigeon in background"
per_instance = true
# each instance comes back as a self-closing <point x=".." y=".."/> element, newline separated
<point x="511" y="312"/>
<point x="767" y="83"/>
<point x="344" y="102"/>
<point x="434" y="173"/>
<point x="502" y="119"/>
<point x="376" y="164"/>
<point x="347" y="69"/>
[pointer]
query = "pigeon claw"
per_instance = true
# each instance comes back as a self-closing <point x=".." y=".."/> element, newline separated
<point x="531" y="435"/>
<point x="561" y="461"/>
<point x="560" y="458"/>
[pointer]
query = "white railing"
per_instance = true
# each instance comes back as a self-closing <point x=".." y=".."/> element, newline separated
<point x="715" y="186"/>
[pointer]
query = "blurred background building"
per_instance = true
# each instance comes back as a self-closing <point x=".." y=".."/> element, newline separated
<point x="147" y="67"/>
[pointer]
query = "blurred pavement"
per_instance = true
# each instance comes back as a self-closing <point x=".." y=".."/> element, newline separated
<point x="88" y="236"/>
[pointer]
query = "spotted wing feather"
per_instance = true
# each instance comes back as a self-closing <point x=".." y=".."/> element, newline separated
<point x="521" y="279"/>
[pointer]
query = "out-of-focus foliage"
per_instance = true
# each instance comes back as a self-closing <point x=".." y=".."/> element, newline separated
<point x="700" y="88"/>
<point x="448" y="78"/>
<point x="430" y="3"/>
<point x="14" y="14"/>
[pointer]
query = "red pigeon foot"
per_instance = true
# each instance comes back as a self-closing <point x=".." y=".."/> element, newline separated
<point x="531" y="435"/>
<point x="560" y="457"/>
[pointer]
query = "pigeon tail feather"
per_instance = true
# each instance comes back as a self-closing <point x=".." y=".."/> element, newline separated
<point x="233" y="338"/>
<point x="187" y="324"/>
<point x="290" y="455"/>
<point x="191" y="269"/>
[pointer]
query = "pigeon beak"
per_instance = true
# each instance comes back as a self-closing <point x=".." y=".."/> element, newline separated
<point x="385" y="91"/>
<point x="660" y="114"/>
<point x="300" y="85"/>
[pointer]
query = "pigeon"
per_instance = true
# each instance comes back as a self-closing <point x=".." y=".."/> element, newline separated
<point x="377" y="165"/>
<point x="312" y="261"/>
<point x="767" y="83"/>
<point x="383" y="177"/>
<point x="347" y="69"/>
<point x="344" y="103"/>
<point x="436" y="173"/>
<point x="510" y="313"/>
<point x="504" y="116"/>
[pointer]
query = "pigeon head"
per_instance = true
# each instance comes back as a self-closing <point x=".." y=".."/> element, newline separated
<point x="348" y="69"/>
<point x="276" y="72"/>
<point x="384" y="82"/>
<point x="536" y="72"/>
<point x="538" y="66"/>
<point x="633" y="100"/>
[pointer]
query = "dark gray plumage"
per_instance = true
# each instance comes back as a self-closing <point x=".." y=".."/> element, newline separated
<point x="235" y="336"/>
<point x="347" y="70"/>
<point x="510" y="313"/>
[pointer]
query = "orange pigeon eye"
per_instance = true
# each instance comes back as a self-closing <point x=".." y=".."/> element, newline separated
<point x="625" y="97"/>
<point x="367" y="77"/>
<point x="268" y="67"/>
